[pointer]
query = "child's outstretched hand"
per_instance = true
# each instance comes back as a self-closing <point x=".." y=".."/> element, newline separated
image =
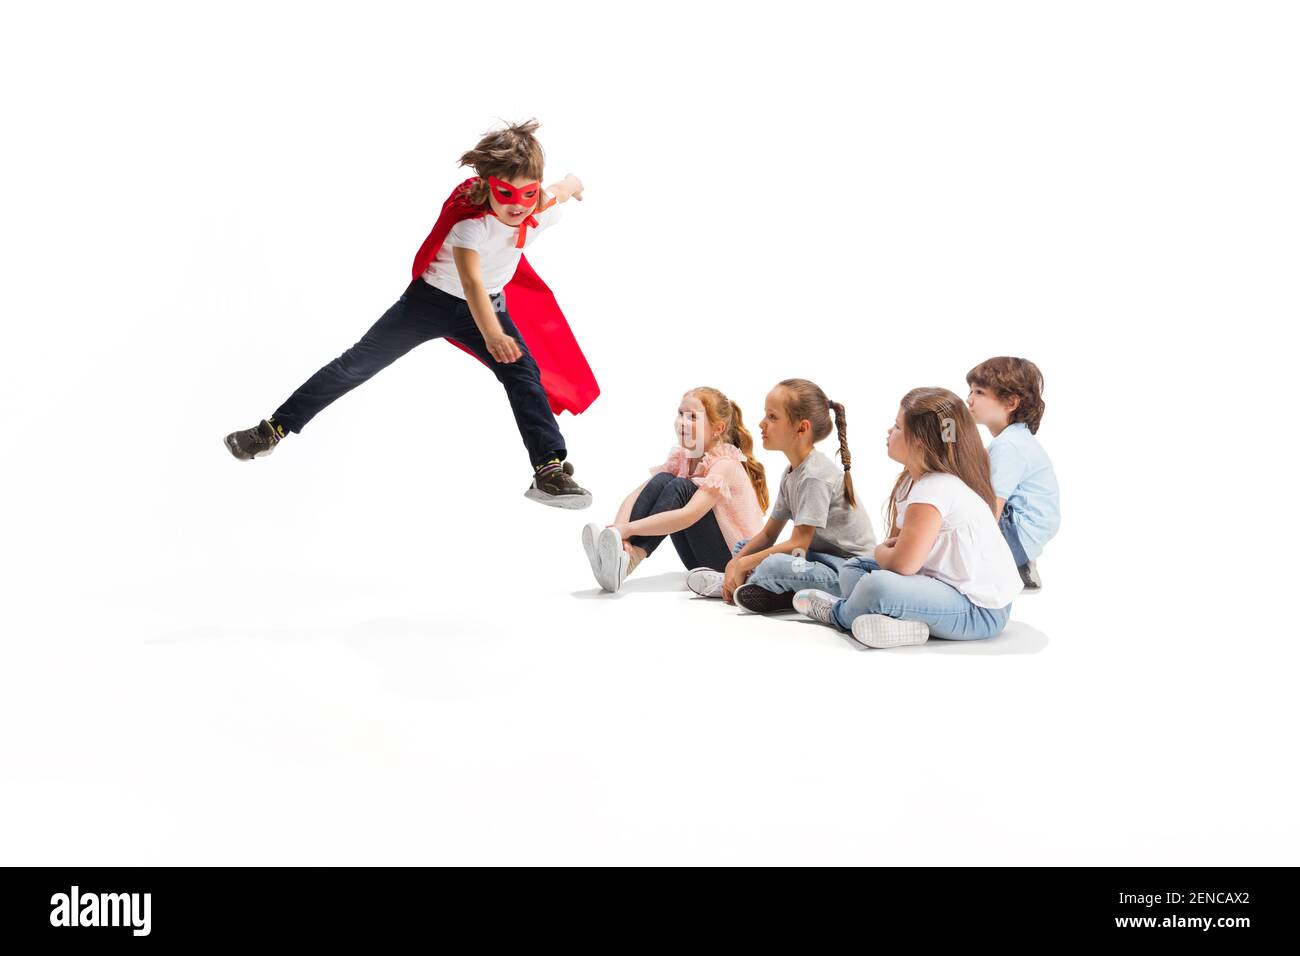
<point x="503" y="348"/>
<point x="575" y="186"/>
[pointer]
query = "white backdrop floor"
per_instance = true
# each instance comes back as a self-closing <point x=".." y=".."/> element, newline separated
<point x="371" y="648"/>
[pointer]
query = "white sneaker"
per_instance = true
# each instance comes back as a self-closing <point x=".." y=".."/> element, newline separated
<point x="816" y="604"/>
<point x="589" y="534"/>
<point x="705" y="582"/>
<point x="879" y="630"/>
<point x="611" y="560"/>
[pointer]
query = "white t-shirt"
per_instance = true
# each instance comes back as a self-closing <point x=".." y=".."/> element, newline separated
<point x="970" y="553"/>
<point x="495" y="243"/>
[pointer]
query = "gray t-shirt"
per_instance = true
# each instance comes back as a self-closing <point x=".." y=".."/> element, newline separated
<point x="813" y="494"/>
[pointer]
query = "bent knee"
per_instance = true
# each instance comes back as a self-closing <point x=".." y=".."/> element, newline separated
<point x="872" y="587"/>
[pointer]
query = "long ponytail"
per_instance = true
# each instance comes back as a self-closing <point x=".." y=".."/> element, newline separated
<point x="739" y="436"/>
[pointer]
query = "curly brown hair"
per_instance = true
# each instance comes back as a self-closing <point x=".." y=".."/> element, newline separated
<point x="1008" y="377"/>
<point x="507" y="153"/>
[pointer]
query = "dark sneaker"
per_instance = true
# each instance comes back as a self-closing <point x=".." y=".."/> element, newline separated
<point x="253" y="442"/>
<point x="760" y="600"/>
<point x="1029" y="576"/>
<point x="558" y="489"/>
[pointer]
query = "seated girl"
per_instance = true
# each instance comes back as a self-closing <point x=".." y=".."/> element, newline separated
<point x="945" y="569"/>
<point x="708" y="496"/>
<point x="829" y="527"/>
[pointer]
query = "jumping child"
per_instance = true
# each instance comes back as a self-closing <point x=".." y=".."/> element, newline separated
<point x="460" y="280"/>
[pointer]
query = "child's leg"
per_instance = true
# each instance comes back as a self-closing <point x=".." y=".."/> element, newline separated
<point x="702" y="545"/>
<point x="776" y="574"/>
<point x="404" y="326"/>
<point x="663" y="492"/>
<point x="1007" y="525"/>
<point x="625" y="510"/>
<point x="522" y="381"/>
<point x="917" y="597"/>
<point x="852" y="570"/>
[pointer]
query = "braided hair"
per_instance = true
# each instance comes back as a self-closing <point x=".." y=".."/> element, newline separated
<point x="805" y="400"/>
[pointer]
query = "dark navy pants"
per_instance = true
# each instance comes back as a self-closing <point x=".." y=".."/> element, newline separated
<point x="422" y="313"/>
<point x="699" y="546"/>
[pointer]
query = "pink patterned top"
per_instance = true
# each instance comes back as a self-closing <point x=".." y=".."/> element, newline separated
<point x="721" y="471"/>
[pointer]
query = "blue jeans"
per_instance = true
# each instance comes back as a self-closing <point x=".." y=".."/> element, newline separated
<point x="776" y="574"/>
<point x="1007" y="525"/>
<point x="424" y="313"/>
<point x="913" y="597"/>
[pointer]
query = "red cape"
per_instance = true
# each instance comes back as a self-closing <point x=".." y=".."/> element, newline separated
<point x="566" y="376"/>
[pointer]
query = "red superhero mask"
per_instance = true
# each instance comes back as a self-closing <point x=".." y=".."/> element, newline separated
<point x="525" y="195"/>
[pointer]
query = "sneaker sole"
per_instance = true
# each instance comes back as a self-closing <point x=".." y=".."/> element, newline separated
<point x="713" y="591"/>
<point x="609" y="549"/>
<point x="759" y="600"/>
<point x="878" y="630"/>
<point x="589" y="534"/>
<point x="234" y="450"/>
<point x="569" y="502"/>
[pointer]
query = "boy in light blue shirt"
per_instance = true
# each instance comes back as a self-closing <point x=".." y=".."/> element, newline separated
<point x="1006" y="397"/>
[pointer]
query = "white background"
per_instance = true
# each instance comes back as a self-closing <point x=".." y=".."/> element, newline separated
<point x="371" y="648"/>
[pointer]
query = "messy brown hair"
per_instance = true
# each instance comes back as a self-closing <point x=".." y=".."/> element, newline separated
<point x="804" y="400"/>
<point x="940" y="424"/>
<point x="1008" y="377"/>
<point x="722" y="410"/>
<point x="508" y="153"/>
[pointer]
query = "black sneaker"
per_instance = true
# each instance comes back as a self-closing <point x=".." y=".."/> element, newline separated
<point x="760" y="600"/>
<point x="253" y="442"/>
<point x="558" y="489"/>
<point x="1029" y="577"/>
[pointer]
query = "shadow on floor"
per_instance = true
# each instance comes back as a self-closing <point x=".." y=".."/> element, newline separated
<point x="1017" y="638"/>
<point x="654" y="583"/>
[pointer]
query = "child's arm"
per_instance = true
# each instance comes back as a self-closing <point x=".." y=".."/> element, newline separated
<point x="750" y="557"/>
<point x="890" y="539"/>
<point x="502" y="347"/>
<point x="570" y="187"/>
<point x="764" y="539"/>
<point x="908" y="551"/>
<point x="759" y="547"/>
<point x="666" y="522"/>
<point x="997" y="512"/>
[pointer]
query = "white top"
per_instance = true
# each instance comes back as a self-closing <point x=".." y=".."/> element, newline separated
<point x="970" y="553"/>
<point x="495" y="243"/>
